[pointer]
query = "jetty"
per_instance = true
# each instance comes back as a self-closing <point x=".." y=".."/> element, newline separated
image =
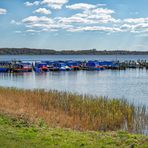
<point x="69" y="65"/>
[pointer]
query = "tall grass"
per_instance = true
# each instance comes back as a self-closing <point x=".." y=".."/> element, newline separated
<point x="74" y="111"/>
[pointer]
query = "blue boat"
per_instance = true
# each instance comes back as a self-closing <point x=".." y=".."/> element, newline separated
<point x="37" y="70"/>
<point x="50" y="64"/>
<point x="94" y="65"/>
<point x="4" y="66"/>
<point x="40" y="67"/>
<point x="3" y="69"/>
<point x="61" y="66"/>
<point x="21" y="67"/>
<point x="111" y="64"/>
<point x="106" y="63"/>
<point x="74" y="65"/>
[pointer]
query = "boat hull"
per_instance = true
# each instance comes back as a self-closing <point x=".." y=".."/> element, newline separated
<point x="4" y="69"/>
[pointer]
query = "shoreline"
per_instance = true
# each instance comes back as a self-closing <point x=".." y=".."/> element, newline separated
<point x="70" y="110"/>
<point x="36" y="118"/>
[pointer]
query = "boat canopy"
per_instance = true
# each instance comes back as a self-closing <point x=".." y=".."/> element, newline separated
<point x="40" y="64"/>
<point x="101" y="63"/>
<point x="106" y="63"/>
<point x="73" y="63"/>
<point x="92" y="63"/>
<point x="57" y="64"/>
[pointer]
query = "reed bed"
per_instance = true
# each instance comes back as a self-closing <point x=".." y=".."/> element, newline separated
<point x="69" y="110"/>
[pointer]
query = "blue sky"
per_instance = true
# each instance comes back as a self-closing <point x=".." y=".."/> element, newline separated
<point x="74" y="24"/>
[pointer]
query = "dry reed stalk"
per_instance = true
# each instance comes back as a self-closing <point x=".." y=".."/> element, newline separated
<point x="70" y="110"/>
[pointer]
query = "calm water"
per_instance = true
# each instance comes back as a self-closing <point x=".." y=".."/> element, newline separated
<point x="76" y="57"/>
<point x="131" y="84"/>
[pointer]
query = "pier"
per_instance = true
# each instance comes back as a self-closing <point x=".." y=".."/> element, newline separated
<point x="69" y="65"/>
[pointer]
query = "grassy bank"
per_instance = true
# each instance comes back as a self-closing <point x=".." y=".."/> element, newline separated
<point x="18" y="133"/>
<point x="61" y="109"/>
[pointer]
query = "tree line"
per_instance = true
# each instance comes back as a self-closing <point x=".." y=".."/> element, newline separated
<point x="31" y="51"/>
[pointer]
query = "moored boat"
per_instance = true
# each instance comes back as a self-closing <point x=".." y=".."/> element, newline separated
<point x="21" y="67"/>
<point x="94" y="65"/>
<point x="74" y="65"/>
<point x="61" y="66"/>
<point x="40" y="67"/>
<point x="4" y="66"/>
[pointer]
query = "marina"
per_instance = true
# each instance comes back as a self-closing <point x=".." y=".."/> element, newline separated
<point x="130" y="83"/>
<point x="70" y="65"/>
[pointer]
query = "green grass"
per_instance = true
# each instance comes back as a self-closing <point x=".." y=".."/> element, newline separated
<point x="17" y="133"/>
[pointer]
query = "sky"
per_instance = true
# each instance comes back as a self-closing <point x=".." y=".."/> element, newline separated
<point x="74" y="24"/>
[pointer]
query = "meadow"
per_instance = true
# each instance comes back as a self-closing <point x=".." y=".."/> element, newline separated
<point x="18" y="133"/>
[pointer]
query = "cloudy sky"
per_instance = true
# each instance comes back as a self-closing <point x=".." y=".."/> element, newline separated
<point x="74" y="24"/>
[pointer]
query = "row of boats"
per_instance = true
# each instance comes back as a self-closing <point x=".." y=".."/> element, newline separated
<point x="45" y="66"/>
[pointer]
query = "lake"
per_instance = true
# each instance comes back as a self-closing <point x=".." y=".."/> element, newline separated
<point x="130" y="84"/>
<point x="74" y="57"/>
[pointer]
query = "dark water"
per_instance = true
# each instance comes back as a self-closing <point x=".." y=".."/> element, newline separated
<point x="131" y="84"/>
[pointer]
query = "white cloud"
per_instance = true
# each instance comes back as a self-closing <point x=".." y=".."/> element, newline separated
<point x="36" y="19"/>
<point x="102" y="11"/>
<point x="126" y="27"/>
<point x="32" y="31"/>
<point x="91" y="16"/>
<point x="140" y="28"/>
<point x="101" y="5"/>
<point x="35" y="3"/>
<point x="54" y="4"/>
<point x="18" y="31"/>
<point x="95" y="28"/>
<point x="43" y="24"/>
<point x="135" y="25"/>
<point x="136" y="20"/>
<point x="3" y="11"/>
<point x="82" y="6"/>
<point x="75" y="19"/>
<point x="15" y="22"/>
<point x="42" y="11"/>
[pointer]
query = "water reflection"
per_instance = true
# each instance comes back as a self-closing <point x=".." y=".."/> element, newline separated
<point x="131" y="84"/>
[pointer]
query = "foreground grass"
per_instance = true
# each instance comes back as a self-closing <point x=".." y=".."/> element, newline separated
<point x="18" y="133"/>
<point x="61" y="109"/>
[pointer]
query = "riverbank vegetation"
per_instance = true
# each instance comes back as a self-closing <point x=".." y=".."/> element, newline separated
<point x="68" y="110"/>
<point x="17" y="132"/>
